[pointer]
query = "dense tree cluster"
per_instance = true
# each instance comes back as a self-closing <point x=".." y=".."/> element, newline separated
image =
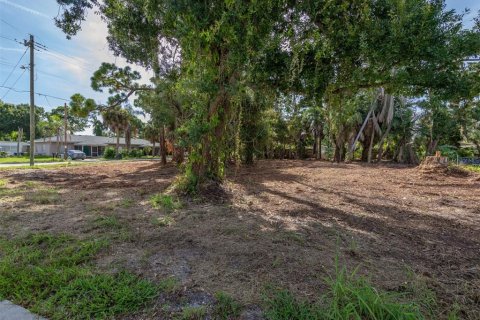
<point x="238" y="80"/>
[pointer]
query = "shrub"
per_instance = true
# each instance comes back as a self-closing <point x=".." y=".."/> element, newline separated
<point x="109" y="153"/>
<point x="3" y="154"/>
<point x="134" y="153"/>
<point x="147" y="151"/>
<point x="449" y="151"/>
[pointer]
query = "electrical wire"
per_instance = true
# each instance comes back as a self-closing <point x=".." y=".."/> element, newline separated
<point x="13" y="84"/>
<point x="13" y="69"/>
<point x="37" y="93"/>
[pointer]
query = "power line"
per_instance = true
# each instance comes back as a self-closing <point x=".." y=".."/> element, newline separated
<point x="11" y="26"/>
<point x="37" y="93"/>
<point x="25" y="69"/>
<point x="13" y="69"/>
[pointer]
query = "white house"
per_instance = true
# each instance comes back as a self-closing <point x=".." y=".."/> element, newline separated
<point x="93" y="146"/>
<point x="10" y="147"/>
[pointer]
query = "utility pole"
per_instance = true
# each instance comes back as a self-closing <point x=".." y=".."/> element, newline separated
<point x="19" y="140"/>
<point x="65" y="123"/>
<point x="31" y="45"/>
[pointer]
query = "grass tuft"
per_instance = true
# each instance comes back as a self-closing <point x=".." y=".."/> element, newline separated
<point x="193" y="313"/>
<point x="226" y="307"/>
<point x="166" y="221"/>
<point x="108" y="222"/>
<point x="43" y="196"/>
<point x="169" y="285"/>
<point x="349" y="297"/>
<point x="52" y="276"/>
<point x="165" y="202"/>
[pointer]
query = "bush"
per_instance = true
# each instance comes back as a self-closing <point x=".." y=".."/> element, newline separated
<point x="3" y="154"/>
<point x="134" y="153"/>
<point x="109" y="153"/>
<point x="466" y="152"/>
<point x="449" y="151"/>
<point x="147" y="151"/>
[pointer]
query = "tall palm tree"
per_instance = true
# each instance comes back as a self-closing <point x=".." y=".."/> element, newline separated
<point x="151" y="133"/>
<point x="116" y="119"/>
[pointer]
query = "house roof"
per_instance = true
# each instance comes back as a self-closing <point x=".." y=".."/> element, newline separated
<point x="12" y="143"/>
<point x="94" y="140"/>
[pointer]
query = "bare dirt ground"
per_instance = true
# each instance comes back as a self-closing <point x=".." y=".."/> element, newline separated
<point x="282" y="223"/>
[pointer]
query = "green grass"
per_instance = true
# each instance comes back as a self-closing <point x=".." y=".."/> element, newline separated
<point x="169" y="285"/>
<point x="165" y="202"/>
<point x="26" y="159"/>
<point x="350" y="297"/>
<point x="472" y="168"/>
<point x="226" y="307"/>
<point x="108" y="222"/>
<point x="193" y="313"/>
<point x="53" y="276"/>
<point x="127" y="203"/>
<point x="3" y="183"/>
<point x="50" y="166"/>
<point x="43" y="196"/>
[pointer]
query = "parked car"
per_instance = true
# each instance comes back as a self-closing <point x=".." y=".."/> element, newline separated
<point x="75" y="155"/>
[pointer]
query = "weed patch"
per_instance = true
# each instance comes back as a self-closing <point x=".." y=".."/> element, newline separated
<point x="166" y="221"/>
<point x="127" y="203"/>
<point x="169" y="285"/>
<point x="193" y="313"/>
<point x="52" y="276"/>
<point x="349" y="297"/>
<point x="165" y="202"/>
<point x="43" y="196"/>
<point x="226" y="308"/>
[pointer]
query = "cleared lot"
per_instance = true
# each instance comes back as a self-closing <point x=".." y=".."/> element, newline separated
<point x="281" y="223"/>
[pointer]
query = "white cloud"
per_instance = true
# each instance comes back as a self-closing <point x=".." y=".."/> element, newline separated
<point x="26" y="9"/>
<point x="12" y="49"/>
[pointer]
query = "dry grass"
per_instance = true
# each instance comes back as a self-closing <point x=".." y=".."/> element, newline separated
<point x="282" y="223"/>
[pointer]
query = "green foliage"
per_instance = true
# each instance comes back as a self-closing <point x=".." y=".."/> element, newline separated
<point x="52" y="276"/>
<point x="3" y="154"/>
<point x="449" y="151"/>
<point x="18" y="116"/>
<point x="472" y="168"/>
<point x="317" y="62"/>
<point x="226" y="307"/>
<point x="109" y="153"/>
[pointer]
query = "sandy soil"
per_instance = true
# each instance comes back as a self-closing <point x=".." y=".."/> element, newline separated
<point x="281" y="223"/>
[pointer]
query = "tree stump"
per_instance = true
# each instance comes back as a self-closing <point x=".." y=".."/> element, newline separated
<point x="436" y="161"/>
<point x="434" y="164"/>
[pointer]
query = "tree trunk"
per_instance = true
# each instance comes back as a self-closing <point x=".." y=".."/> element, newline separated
<point x="380" y="144"/>
<point x="153" y="148"/>
<point x="163" y="146"/>
<point x="370" y="148"/>
<point x="117" y="146"/>
<point x="318" y="144"/>
<point x="58" y="141"/>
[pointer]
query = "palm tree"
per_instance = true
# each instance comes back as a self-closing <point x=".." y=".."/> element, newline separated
<point x="116" y="119"/>
<point x="151" y="133"/>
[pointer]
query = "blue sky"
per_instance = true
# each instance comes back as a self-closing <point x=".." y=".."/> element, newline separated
<point x="67" y="66"/>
